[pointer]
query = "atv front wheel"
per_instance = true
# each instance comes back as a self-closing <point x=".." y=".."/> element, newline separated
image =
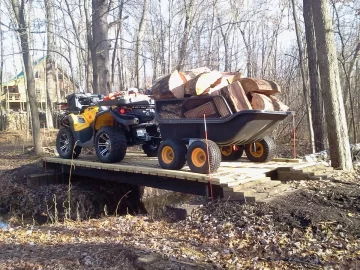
<point x="65" y="144"/>
<point x="110" y="144"/>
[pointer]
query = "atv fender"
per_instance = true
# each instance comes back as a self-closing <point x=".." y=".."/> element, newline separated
<point x="109" y="118"/>
<point x="81" y="130"/>
<point x="125" y="120"/>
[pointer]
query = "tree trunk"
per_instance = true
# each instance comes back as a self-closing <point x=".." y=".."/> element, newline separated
<point x="305" y="92"/>
<point x="50" y="63"/>
<point x="100" y="51"/>
<point x="1" y="57"/>
<point x="211" y="38"/>
<point x="139" y="42"/>
<point x="19" y="11"/>
<point x="185" y="38"/>
<point x="340" y="154"/>
<point x="118" y="31"/>
<point x="169" y="36"/>
<point x="88" y="66"/>
<point x="317" y="105"/>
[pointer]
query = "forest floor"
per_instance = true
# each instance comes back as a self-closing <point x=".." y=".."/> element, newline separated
<point x="315" y="226"/>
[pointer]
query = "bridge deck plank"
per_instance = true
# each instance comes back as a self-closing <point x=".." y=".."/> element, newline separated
<point x="229" y="173"/>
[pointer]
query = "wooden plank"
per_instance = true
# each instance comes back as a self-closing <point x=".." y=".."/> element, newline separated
<point x="229" y="174"/>
<point x="134" y="169"/>
<point x="238" y="182"/>
<point x="293" y="160"/>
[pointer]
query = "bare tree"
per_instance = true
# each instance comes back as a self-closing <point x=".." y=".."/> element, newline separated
<point x="305" y="91"/>
<point x="22" y="29"/>
<point x="188" y="6"/>
<point x="50" y="63"/>
<point x="139" y="42"/>
<point x="1" y="57"/>
<point x="330" y="82"/>
<point x="100" y="47"/>
<point x="317" y="106"/>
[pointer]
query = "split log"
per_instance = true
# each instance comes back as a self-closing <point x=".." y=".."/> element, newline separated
<point x="219" y="84"/>
<point x="192" y="73"/>
<point x="201" y="84"/>
<point x="231" y="76"/>
<point x="235" y="96"/>
<point x="261" y="102"/>
<point x="260" y="86"/>
<point x="168" y="86"/>
<point x="278" y="105"/>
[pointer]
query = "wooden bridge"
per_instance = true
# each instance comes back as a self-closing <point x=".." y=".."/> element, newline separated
<point x="241" y="180"/>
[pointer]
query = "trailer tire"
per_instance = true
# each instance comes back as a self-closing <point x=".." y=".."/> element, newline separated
<point x="110" y="144"/>
<point x="197" y="157"/>
<point x="172" y="154"/>
<point x="264" y="152"/>
<point x="228" y="153"/>
<point x="65" y="144"/>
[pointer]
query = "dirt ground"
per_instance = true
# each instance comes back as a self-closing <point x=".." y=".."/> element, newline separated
<point x="317" y="226"/>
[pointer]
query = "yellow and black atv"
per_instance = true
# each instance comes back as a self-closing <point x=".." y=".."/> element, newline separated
<point x="110" y="126"/>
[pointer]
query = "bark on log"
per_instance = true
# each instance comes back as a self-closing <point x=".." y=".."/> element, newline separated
<point x="198" y="112"/>
<point x="261" y="102"/>
<point x="260" y="86"/>
<point x="201" y="84"/>
<point x="235" y="96"/>
<point x="278" y="105"/>
<point x="231" y="76"/>
<point x="169" y="86"/>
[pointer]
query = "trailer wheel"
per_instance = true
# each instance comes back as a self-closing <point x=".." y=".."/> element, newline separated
<point x="261" y="151"/>
<point x="65" y="144"/>
<point x="197" y="157"/>
<point x="110" y="144"/>
<point x="229" y="153"/>
<point x="172" y="154"/>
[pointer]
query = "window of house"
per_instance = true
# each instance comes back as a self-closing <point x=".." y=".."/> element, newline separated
<point x="37" y="74"/>
<point x="38" y="91"/>
<point x="13" y="89"/>
<point x="60" y="76"/>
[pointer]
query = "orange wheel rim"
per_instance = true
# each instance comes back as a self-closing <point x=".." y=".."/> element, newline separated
<point x="167" y="154"/>
<point x="256" y="149"/>
<point x="226" y="150"/>
<point x="198" y="157"/>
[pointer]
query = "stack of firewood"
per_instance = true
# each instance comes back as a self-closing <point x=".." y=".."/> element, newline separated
<point x="240" y="93"/>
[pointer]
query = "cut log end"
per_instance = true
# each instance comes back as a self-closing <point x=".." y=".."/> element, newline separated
<point x="260" y="86"/>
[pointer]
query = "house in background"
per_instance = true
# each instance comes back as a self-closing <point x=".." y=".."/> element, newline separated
<point x="13" y="93"/>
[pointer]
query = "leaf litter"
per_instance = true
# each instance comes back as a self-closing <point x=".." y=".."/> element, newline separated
<point x="317" y="226"/>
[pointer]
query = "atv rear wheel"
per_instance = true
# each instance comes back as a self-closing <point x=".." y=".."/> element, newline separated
<point x="110" y="144"/>
<point x="65" y="144"/>
<point x="150" y="150"/>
